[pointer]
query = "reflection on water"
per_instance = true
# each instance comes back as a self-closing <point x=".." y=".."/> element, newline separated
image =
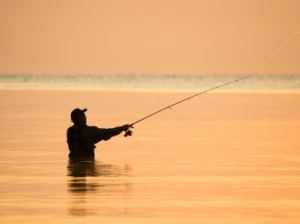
<point x="94" y="179"/>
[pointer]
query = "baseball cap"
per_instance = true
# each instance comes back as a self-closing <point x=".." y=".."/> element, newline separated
<point x="77" y="112"/>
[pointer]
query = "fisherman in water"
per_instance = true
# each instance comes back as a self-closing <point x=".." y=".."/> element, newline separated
<point x="82" y="138"/>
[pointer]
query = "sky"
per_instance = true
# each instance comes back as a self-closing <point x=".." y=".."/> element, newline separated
<point x="149" y="36"/>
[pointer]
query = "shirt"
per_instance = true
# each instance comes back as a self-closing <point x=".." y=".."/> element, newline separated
<point x="81" y="139"/>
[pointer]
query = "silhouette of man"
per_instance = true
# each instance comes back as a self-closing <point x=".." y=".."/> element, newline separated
<point x="82" y="138"/>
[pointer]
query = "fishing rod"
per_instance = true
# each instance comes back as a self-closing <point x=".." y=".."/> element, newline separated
<point x="129" y="132"/>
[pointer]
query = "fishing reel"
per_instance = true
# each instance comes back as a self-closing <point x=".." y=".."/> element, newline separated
<point x="128" y="133"/>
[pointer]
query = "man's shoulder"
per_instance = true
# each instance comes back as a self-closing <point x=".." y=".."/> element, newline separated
<point x="70" y="128"/>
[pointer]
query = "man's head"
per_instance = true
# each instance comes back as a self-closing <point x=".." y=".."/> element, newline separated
<point x="78" y="116"/>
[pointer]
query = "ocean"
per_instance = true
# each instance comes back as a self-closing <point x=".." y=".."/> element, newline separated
<point x="229" y="156"/>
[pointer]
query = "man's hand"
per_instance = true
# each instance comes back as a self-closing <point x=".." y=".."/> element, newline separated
<point x="127" y="130"/>
<point x="126" y="127"/>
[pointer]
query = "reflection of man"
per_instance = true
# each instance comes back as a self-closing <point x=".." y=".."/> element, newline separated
<point x="81" y="185"/>
<point x="88" y="167"/>
<point x="83" y="168"/>
<point x="82" y="138"/>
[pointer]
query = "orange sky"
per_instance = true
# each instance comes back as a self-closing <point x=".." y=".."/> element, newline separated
<point x="148" y="36"/>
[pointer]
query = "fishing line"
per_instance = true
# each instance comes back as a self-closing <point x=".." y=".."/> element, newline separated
<point x="129" y="132"/>
<point x="275" y="52"/>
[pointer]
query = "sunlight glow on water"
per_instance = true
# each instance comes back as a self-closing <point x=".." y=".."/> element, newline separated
<point x="221" y="158"/>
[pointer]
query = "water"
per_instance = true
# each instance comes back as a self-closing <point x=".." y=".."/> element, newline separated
<point x="183" y="83"/>
<point x="223" y="157"/>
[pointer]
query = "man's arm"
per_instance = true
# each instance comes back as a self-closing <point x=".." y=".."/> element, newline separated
<point x="106" y="133"/>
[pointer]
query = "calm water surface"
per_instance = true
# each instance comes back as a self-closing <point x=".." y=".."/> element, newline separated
<point x="220" y="158"/>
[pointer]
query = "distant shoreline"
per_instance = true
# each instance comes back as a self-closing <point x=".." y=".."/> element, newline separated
<point x="153" y="83"/>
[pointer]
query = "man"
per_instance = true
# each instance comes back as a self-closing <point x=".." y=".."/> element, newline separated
<point x="82" y="138"/>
